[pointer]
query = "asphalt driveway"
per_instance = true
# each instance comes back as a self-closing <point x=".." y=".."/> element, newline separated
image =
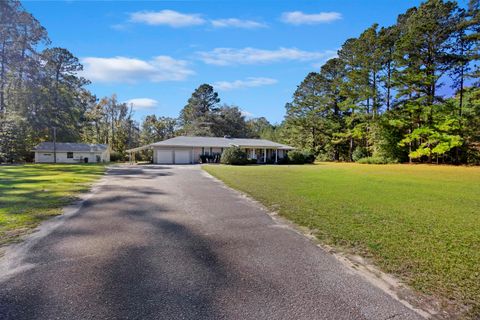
<point x="166" y="242"/>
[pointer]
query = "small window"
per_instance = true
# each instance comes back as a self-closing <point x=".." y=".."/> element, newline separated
<point x="69" y="155"/>
<point x="47" y="154"/>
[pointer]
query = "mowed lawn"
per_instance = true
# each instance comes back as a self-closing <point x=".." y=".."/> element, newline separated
<point x="32" y="193"/>
<point x="419" y="222"/>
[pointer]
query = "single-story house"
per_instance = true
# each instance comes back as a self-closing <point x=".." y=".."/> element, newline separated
<point x="185" y="150"/>
<point x="71" y="152"/>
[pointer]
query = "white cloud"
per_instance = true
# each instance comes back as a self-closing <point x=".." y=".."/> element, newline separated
<point x="247" y="83"/>
<point x="298" y="17"/>
<point x="142" y="103"/>
<point x="167" y="17"/>
<point x="130" y="70"/>
<point x="230" y="56"/>
<point x="247" y="114"/>
<point x="237" y="23"/>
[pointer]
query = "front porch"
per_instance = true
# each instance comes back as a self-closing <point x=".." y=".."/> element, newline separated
<point x="264" y="155"/>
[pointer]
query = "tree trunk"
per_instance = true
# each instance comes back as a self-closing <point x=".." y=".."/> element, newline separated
<point x="389" y="78"/>
<point x="374" y="95"/>
<point x="2" y="78"/>
<point x="350" y="149"/>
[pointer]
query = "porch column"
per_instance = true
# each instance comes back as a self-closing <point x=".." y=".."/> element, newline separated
<point x="276" y="155"/>
<point x="264" y="155"/>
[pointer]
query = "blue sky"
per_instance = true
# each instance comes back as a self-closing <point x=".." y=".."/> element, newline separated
<point x="255" y="53"/>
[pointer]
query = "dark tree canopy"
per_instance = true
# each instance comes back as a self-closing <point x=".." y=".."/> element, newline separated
<point x="380" y="98"/>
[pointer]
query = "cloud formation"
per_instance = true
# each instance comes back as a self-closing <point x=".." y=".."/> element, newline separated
<point x="298" y="17"/>
<point x="246" y="113"/>
<point x="167" y="17"/>
<point x="230" y="56"/>
<point x="247" y="83"/>
<point x="142" y="103"/>
<point x="237" y="23"/>
<point x="131" y="70"/>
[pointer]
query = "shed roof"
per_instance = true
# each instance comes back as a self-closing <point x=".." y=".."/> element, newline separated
<point x="219" y="142"/>
<point x="71" y="147"/>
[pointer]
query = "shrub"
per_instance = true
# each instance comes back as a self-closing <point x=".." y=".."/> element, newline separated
<point x="359" y="153"/>
<point x="283" y="160"/>
<point x="296" y="157"/>
<point x="309" y="157"/>
<point x="376" y="160"/>
<point x="234" y="156"/>
<point x="323" y="157"/>
<point x="116" y="156"/>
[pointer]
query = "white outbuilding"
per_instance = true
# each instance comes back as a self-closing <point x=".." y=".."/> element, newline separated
<point x="68" y="152"/>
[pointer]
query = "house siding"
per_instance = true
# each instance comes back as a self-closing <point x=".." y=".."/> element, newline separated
<point x="47" y="157"/>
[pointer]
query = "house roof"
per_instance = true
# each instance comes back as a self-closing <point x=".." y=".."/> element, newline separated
<point x="71" y="146"/>
<point x="225" y="142"/>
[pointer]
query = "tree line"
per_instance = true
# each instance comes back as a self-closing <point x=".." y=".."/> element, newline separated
<point x="382" y="98"/>
<point x="40" y="89"/>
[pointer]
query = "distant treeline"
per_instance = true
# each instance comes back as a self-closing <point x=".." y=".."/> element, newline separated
<point x="380" y="97"/>
<point x="378" y="100"/>
<point x="41" y="89"/>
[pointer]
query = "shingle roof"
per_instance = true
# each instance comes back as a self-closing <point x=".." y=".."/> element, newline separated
<point x="71" y="146"/>
<point x="183" y="141"/>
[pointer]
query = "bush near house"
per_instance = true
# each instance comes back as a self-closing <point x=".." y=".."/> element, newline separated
<point x="299" y="157"/>
<point x="210" y="158"/>
<point x="234" y="156"/>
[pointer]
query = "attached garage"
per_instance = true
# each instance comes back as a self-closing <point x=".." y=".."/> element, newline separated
<point x="182" y="156"/>
<point x="173" y="156"/>
<point x="164" y="156"/>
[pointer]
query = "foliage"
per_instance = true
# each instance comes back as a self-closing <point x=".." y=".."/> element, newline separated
<point x="380" y="97"/>
<point x="417" y="222"/>
<point x="210" y="158"/>
<point x="116" y="156"/>
<point x="359" y="153"/>
<point x="111" y="122"/>
<point x="234" y="156"/>
<point x="375" y="160"/>
<point x="298" y="157"/>
<point x="309" y="157"/>
<point x="228" y="121"/>
<point x="196" y="116"/>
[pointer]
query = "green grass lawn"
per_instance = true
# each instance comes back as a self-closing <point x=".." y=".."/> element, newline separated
<point x="419" y="222"/>
<point x="32" y="193"/>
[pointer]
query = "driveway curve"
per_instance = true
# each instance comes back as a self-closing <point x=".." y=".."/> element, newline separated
<point x="168" y="242"/>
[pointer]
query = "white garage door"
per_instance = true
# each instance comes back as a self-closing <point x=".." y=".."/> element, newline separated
<point x="165" y="156"/>
<point x="182" y="156"/>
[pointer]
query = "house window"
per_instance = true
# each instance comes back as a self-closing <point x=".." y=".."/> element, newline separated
<point x="69" y="155"/>
<point x="203" y="150"/>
